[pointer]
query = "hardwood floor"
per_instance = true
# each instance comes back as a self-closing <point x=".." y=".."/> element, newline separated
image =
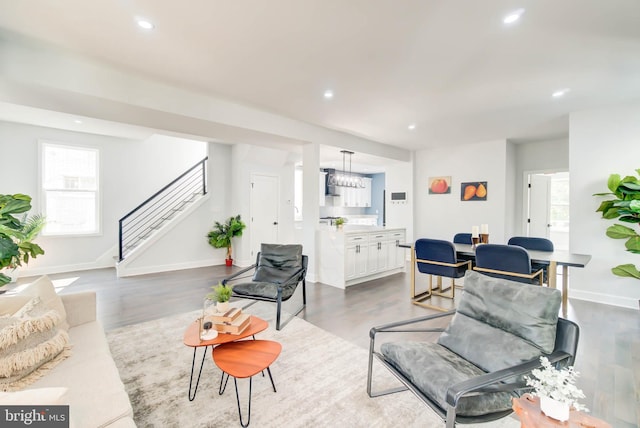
<point x="608" y="353"/>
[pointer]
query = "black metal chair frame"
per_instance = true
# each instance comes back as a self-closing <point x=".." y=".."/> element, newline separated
<point x="302" y="272"/>
<point x="499" y="381"/>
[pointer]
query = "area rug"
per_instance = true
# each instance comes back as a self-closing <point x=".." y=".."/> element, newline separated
<point x="320" y="380"/>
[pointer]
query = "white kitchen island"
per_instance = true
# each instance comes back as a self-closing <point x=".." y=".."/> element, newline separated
<point x="357" y="254"/>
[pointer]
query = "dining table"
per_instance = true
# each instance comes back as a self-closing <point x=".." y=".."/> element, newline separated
<point x="553" y="259"/>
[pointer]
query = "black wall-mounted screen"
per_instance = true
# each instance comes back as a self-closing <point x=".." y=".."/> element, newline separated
<point x="398" y="196"/>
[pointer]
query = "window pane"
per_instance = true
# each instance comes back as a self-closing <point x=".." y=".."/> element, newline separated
<point x="69" y="168"/>
<point x="70" y="187"/>
<point x="70" y="212"/>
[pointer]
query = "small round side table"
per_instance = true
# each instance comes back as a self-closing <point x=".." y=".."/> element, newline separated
<point x="244" y="359"/>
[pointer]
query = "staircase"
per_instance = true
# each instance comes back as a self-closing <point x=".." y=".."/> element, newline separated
<point x="146" y="220"/>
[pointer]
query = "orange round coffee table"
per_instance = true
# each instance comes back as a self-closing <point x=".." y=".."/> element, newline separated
<point x="192" y="339"/>
<point x="245" y="359"/>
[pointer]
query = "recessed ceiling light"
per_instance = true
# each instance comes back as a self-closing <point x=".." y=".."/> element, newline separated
<point x="560" y="93"/>
<point x="412" y="127"/>
<point x="328" y="94"/>
<point x="143" y="23"/>
<point x="77" y="121"/>
<point x="513" y="16"/>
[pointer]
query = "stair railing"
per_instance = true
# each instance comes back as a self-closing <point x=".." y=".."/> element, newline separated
<point x="163" y="205"/>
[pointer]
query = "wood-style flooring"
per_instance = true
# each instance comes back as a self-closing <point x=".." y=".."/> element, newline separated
<point x="608" y="355"/>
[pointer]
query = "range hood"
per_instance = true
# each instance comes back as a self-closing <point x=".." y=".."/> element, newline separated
<point x="330" y="187"/>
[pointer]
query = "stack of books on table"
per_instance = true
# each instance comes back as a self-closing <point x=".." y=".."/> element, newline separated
<point x="233" y="321"/>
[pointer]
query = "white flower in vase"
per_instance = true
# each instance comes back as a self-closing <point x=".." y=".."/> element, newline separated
<point x="559" y="385"/>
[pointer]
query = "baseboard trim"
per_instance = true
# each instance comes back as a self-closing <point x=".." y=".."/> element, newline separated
<point x="128" y="271"/>
<point x="67" y="268"/>
<point x="607" y="299"/>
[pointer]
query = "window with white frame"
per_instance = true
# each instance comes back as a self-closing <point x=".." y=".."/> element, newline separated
<point x="70" y="189"/>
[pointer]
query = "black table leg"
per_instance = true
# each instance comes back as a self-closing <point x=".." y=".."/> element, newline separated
<point x="249" y="408"/>
<point x="225" y="379"/>
<point x="193" y="363"/>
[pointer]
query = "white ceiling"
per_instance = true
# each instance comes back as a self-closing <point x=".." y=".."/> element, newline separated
<point x="449" y="66"/>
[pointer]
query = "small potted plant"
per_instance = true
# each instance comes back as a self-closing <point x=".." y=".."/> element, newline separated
<point x="556" y="390"/>
<point x="221" y="294"/>
<point x="222" y="234"/>
<point x="340" y="221"/>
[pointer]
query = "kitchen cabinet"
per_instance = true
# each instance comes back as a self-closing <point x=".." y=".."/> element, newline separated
<point x="356" y="196"/>
<point x="352" y="257"/>
<point x="356" y="257"/>
<point x="378" y="254"/>
<point x="365" y="194"/>
<point x="397" y="255"/>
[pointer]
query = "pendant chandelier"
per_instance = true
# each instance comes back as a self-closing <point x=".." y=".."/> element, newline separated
<point x="347" y="179"/>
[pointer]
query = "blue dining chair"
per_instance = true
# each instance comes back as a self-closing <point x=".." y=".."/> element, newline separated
<point x="536" y="244"/>
<point x="507" y="262"/>
<point x="462" y="238"/>
<point x="436" y="257"/>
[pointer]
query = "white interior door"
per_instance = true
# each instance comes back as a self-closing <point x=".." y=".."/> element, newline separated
<point x="264" y="211"/>
<point x="539" y="205"/>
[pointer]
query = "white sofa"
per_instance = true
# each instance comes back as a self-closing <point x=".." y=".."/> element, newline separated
<point x="96" y="395"/>
<point x="87" y="380"/>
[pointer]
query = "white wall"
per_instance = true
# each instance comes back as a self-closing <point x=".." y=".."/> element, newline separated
<point x="442" y="216"/>
<point x="510" y="189"/>
<point x="128" y="177"/>
<point x="185" y="244"/>
<point x="399" y="178"/>
<point x="247" y="160"/>
<point x="601" y="142"/>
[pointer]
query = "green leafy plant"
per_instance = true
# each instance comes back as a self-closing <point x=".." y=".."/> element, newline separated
<point x="17" y="232"/>
<point x="340" y="221"/>
<point x="626" y="208"/>
<point x="222" y="233"/>
<point x="221" y="293"/>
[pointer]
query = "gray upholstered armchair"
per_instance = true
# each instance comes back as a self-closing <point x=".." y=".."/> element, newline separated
<point x="496" y="336"/>
<point x="278" y="271"/>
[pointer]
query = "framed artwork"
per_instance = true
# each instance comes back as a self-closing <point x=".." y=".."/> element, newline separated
<point x="473" y="191"/>
<point x="439" y="185"/>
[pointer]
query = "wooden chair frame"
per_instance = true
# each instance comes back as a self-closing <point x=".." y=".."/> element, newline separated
<point x="417" y="299"/>
<point x="515" y="274"/>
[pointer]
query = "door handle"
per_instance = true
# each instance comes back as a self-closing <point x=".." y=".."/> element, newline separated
<point x="275" y="223"/>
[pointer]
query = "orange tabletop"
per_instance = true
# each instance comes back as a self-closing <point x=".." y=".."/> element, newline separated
<point x="528" y="410"/>
<point x="192" y="334"/>
<point x="246" y="358"/>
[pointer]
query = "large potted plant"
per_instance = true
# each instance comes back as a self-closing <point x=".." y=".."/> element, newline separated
<point x="17" y="232"/>
<point x="222" y="234"/>
<point x="626" y="208"/>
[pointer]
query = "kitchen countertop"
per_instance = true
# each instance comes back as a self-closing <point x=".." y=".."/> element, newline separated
<point x="358" y="228"/>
